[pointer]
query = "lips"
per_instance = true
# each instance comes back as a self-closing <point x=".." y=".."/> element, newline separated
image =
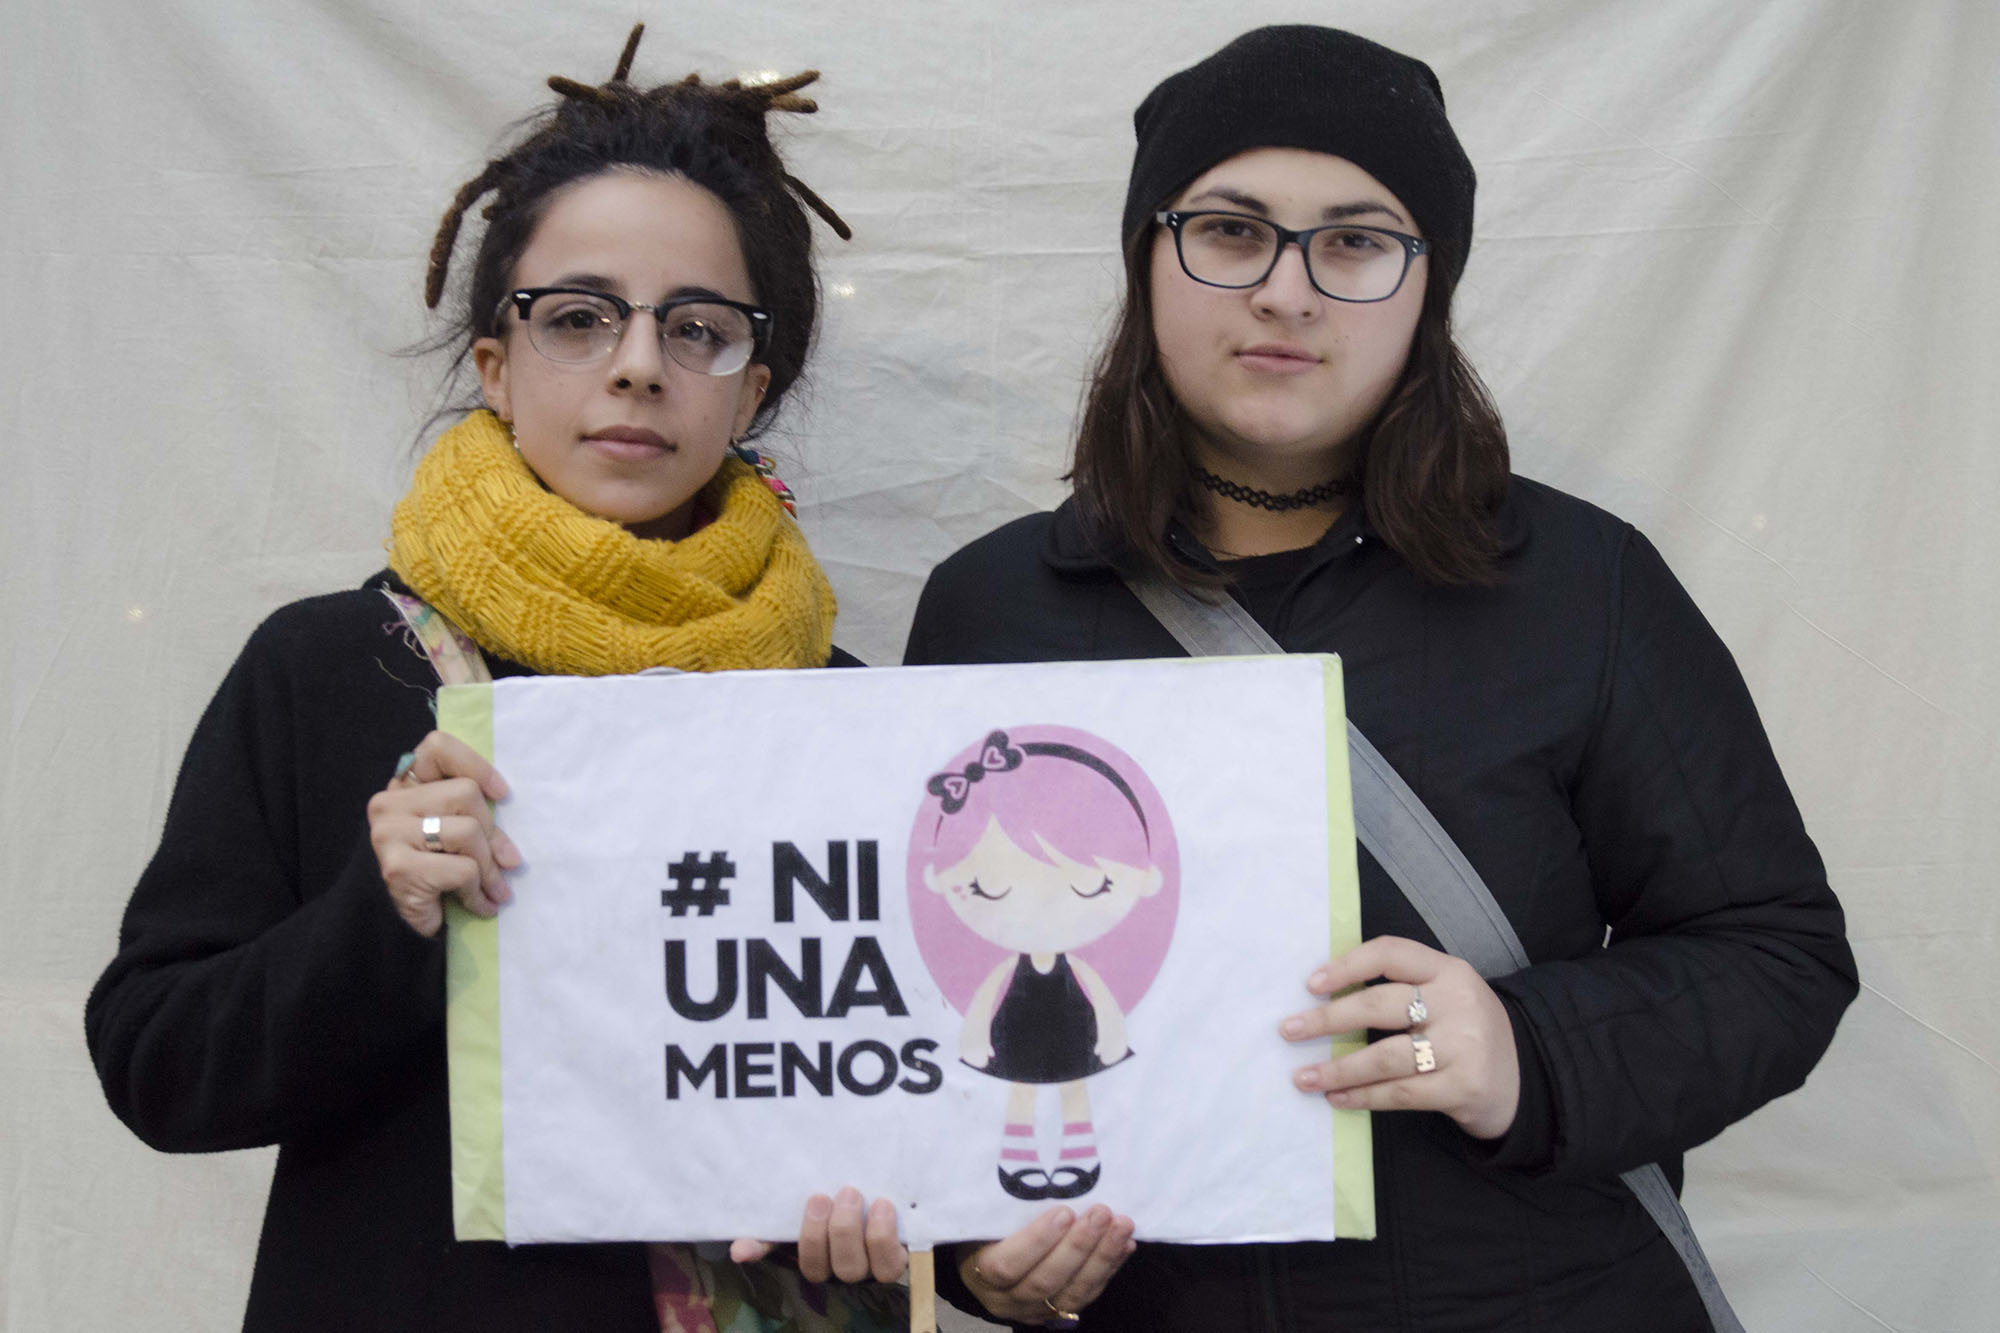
<point x="628" y="442"/>
<point x="1277" y="359"/>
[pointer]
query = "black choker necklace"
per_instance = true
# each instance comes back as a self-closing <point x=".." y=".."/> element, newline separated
<point x="1277" y="504"/>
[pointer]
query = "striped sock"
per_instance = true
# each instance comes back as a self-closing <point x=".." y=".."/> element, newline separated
<point x="1079" y="1145"/>
<point x="1017" y="1148"/>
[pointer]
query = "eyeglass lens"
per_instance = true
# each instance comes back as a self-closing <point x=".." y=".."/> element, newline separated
<point x="1351" y="263"/>
<point x="706" y="338"/>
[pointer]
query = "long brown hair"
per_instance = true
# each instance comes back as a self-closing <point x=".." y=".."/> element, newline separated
<point x="1432" y="466"/>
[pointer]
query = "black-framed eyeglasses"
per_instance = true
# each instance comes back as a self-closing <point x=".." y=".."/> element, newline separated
<point x="707" y="334"/>
<point x="1343" y="261"/>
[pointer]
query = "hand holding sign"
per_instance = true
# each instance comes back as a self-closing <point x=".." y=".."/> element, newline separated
<point x="433" y="834"/>
<point x="1055" y="1266"/>
<point x="1473" y="1075"/>
<point x="840" y="1239"/>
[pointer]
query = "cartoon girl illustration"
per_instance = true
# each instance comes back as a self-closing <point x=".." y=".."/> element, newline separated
<point x="1042" y="842"/>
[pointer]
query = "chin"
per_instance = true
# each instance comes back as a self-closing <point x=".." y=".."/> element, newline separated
<point x="1286" y="441"/>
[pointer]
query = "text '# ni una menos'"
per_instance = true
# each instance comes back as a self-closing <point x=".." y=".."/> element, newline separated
<point x="748" y="971"/>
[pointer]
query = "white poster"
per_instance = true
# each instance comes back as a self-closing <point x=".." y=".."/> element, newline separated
<point x="970" y="938"/>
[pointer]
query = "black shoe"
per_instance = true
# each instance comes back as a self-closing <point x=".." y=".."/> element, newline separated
<point x="1079" y="1181"/>
<point x="1028" y="1183"/>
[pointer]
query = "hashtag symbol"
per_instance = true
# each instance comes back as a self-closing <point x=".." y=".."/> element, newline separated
<point x="709" y="874"/>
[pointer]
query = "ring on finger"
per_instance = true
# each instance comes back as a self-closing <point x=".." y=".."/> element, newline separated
<point x="1419" y="1011"/>
<point x="1426" y="1057"/>
<point x="1063" y="1318"/>
<point x="432" y="828"/>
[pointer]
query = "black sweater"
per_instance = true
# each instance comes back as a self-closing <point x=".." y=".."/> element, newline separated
<point x="266" y="992"/>
<point x="1587" y="741"/>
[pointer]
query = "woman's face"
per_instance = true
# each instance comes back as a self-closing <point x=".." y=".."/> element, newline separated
<point x="634" y="436"/>
<point x="1277" y="378"/>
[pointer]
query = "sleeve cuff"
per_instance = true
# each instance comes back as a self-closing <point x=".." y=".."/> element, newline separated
<point x="1530" y="1142"/>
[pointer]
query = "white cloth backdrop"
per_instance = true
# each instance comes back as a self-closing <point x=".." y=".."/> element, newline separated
<point x="1734" y="278"/>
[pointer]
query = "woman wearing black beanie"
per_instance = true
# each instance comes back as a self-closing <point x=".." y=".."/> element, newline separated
<point x="1281" y="420"/>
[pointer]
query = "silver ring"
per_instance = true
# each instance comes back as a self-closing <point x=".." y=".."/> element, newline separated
<point x="1426" y="1057"/>
<point x="433" y="831"/>
<point x="1419" y="1011"/>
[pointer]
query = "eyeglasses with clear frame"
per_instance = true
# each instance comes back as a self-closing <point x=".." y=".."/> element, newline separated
<point x="1343" y="261"/>
<point x="576" y="325"/>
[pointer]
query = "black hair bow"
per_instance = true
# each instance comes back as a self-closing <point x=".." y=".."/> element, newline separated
<point x="995" y="756"/>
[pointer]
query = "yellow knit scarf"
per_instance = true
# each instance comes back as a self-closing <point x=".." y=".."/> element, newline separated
<point x="531" y="577"/>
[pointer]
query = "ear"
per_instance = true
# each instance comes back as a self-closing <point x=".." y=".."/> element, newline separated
<point x="931" y="880"/>
<point x="489" y="357"/>
<point x="756" y="383"/>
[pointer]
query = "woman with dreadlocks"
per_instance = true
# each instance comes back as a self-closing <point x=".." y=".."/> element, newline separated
<point x="641" y="300"/>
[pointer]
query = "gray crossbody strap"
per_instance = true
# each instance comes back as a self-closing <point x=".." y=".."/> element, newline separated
<point x="1399" y="831"/>
<point x="1390" y="821"/>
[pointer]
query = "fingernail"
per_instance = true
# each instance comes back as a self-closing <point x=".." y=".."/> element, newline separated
<point x="819" y="1208"/>
<point x="1058" y="1222"/>
<point x="501" y="893"/>
<point x="1295" y="1027"/>
<point x="1318" y="981"/>
<point x="848" y="1194"/>
<point x="1131" y="1245"/>
<point x="1340" y="1098"/>
<point x="1308" y="1079"/>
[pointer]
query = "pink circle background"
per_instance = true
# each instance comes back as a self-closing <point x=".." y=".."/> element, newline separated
<point x="1128" y="957"/>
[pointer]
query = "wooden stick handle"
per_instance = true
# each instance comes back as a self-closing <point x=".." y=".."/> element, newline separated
<point x="923" y="1292"/>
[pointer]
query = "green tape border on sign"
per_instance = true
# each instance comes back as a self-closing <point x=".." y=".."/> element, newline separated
<point x="1353" y="1136"/>
<point x="472" y="1017"/>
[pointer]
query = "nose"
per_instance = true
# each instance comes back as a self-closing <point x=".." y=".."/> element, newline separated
<point x="638" y="362"/>
<point x="1287" y="291"/>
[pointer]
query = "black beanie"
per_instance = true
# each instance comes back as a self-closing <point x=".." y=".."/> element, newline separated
<point x="1308" y="87"/>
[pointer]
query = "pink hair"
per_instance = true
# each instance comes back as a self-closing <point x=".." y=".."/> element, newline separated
<point x="1081" y="795"/>
<point x="1060" y="793"/>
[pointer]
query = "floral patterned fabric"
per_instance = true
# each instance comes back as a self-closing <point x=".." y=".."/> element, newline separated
<point x="695" y="1294"/>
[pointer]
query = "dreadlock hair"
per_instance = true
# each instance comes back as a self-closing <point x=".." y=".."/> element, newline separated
<point x="712" y="135"/>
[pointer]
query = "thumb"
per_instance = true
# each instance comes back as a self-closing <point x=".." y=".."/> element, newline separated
<point x="744" y="1250"/>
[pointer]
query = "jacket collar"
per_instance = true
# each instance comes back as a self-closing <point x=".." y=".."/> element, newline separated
<point x="1073" y="546"/>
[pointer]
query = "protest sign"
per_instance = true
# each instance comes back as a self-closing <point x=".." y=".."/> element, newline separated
<point x="970" y="938"/>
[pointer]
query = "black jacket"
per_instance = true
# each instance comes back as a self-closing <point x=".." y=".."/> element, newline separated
<point x="266" y="992"/>
<point x="1586" y="739"/>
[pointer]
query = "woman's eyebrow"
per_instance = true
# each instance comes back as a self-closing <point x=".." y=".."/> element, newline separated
<point x="1250" y="203"/>
<point x="598" y="282"/>
<point x="1342" y="212"/>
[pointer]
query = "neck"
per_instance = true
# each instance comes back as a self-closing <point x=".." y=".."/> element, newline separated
<point x="1232" y="528"/>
